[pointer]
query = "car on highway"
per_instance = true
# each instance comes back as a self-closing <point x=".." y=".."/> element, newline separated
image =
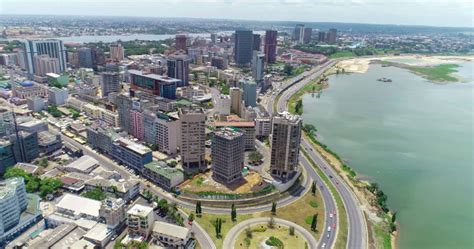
<point x="331" y="215"/>
<point x="324" y="245"/>
<point x="329" y="228"/>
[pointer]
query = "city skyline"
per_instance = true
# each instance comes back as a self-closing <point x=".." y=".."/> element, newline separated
<point x="455" y="13"/>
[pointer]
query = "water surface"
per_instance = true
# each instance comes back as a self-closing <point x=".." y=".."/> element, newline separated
<point x="415" y="139"/>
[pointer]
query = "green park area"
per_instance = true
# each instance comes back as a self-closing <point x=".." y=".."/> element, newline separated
<point x="439" y="73"/>
<point x="279" y="237"/>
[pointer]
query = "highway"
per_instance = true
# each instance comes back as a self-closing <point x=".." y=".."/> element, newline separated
<point x="358" y="236"/>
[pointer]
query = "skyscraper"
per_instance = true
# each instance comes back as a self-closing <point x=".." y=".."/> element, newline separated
<point x="286" y="139"/>
<point x="110" y="82"/>
<point x="180" y="42"/>
<point x="44" y="64"/>
<point x="257" y="41"/>
<point x="270" y="46"/>
<point x="236" y="100"/>
<point x="227" y="155"/>
<point x="332" y="36"/>
<point x="243" y="47"/>
<point x="298" y="33"/>
<point x="117" y="52"/>
<point x="25" y="146"/>
<point x="178" y="68"/>
<point x="6" y="122"/>
<point x="12" y="203"/>
<point x="321" y="36"/>
<point x="307" y="35"/>
<point x="193" y="139"/>
<point x="53" y="48"/>
<point x="258" y="66"/>
<point x="85" y="57"/>
<point x="250" y="92"/>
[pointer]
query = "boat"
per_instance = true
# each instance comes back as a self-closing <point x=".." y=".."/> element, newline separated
<point x="383" y="79"/>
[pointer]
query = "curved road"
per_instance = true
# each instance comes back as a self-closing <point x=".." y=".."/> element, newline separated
<point x="231" y="236"/>
<point x="357" y="237"/>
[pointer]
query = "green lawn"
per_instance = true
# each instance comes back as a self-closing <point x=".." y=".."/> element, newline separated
<point x="440" y="73"/>
<point x="383" y="239"/>
<point x="342" y="54"/>
<point x="259" y="237"/>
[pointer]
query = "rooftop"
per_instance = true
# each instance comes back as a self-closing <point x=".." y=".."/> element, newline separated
<point x="154" y="76"/>
<point x="170" y="229"/>
<point x="140" y="210"/>
<point x="79" y="205"/>
<point x="138" y="148"/>
<point x="235" y="124"/>
<point x="161" y="168"/>
<point x="8" y="186"/>
<point x="84" y="163"/>
<point x="99" y="232"/>
<point x="228" y="133"/>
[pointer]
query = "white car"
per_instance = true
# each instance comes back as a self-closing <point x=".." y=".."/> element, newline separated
<point x="331" y="215"/>
<point x="329" y="229"/>
<point x="324" y="245"/>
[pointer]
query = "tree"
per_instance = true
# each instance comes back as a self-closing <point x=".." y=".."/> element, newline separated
<point x="313" y="188"/>
<point x="310" y="129"/>
<point x="271" y="223"/>
<point x="299" y="107"/>
<point x="95" y="194"/>
<point x="288" y="69"/>
<point x="314" y="222"/>
<point x="43" y="162"/>
<point x="255" y="156"/>
<point x="198" y="208"/>
<point x="292" y="230"/>
<point x="218" y="226"/>
<point x="172" y="163"/>
<point x="191" y="217"/>
<point x="163" y="205"/>
<point x="274" y="208"/>
<point x="233" y="213"/>
<point x="248" y="232"/>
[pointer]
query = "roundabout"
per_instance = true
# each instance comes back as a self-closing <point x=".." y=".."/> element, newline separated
<point x="233" y="234"/>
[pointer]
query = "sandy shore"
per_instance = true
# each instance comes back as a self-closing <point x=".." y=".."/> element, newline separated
<point x="361" y="65"/>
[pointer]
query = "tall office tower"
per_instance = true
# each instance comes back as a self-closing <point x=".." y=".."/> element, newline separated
<point x="117" y="52"/>
<point x="51" y="47"/>
<point x="258" y="60"/>
<point x="286" y="139"/>
<point x="332" y="36"/>
<point x="124" y="105"/>
<point x="25" y="146"/>
<point x="243" y="47"/>
<point x="98" y="57"/>
<point x="161" y="130"/>
<point x="228" y="147"/>
<point x="110" y="82"/>
<point x="257" y="42"/>
<point x="7" y="158"/>
<point x="45" y="64"/>
<point x="178" y="68"/>
<point x="307" y="35"/>
<point x="213" y="38"/>
<point x="180" y="42"/>
<point x="12" y="203"/>
<point x="298" y="33"/>
<point x="250" y="92"/>
<point x="6" y="122"/>
<point x="270" y="46"/>
<point x="85" y="57"/>
<point x="321" y="36"/>
<point x="193" y="139"/>
<point x="236" y="100"/>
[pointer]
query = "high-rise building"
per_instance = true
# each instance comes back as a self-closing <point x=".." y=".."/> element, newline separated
<point x="270" y="46"/>
<point x="298" y="33"/>
<point x="286" y="139"/>
<point x="213" y="38"/>
<point x="35" y="103"/>
<point x="161" y="130"/>
<point x="250" y="92"/>
<point x="117" y="52"/>
<point x="7" y="158"/>
<point x="131" y="154"/>
<point x="218" y="62"/>
<point x="57" y="96"/>
<point x="223" y="104"/>
<point x="153" y="84"/>
<point x="25" y="146"/>
<point x="110" y="82"/>
<point x="192" y="138"/>
<point x="12" y="203"/>
<point x="45" y="64"/>
<point x="257" y="42"/>
<point x="227" y="155"/>
<point x="332" y="36"/>
<point x="258" y="60"/>
<point x="178" y="68"/>
<point x="246" y="127"/>
<point x="98" y="57"/>
<point x="6" y="122"/>
<point x="236" y="100"/>
<point x="321" y="36"/>
<point x="307" y="35"/>
<point x="85" y="57"/>
<point x="243" y="47"/>
<point x="180" y="42"/>
<point x="51" y="47"/>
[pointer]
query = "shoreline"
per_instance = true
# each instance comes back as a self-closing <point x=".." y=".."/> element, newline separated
<point x="359" y="187"/>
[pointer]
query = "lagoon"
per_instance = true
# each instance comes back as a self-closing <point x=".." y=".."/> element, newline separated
<point x="414" y="138"/>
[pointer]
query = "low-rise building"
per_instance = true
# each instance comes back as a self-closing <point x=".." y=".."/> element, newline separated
<point x="57" y="96"/>
<point x="126" y="190"/>
<point x="100" y="235"/>
<point x="171" y="235"/>
<point x="162" y="175"/>
<point x="35" y="103"/>
<point x="131" y="154"/>
<point x="140" y="221"/>
<point x="263" y="127"/>
<point x="77" y="207"/>
<point x="112" y="211"/>
<point x="84" y="164"/>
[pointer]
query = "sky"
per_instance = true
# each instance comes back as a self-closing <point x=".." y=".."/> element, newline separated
<point x="453" y="13"/>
